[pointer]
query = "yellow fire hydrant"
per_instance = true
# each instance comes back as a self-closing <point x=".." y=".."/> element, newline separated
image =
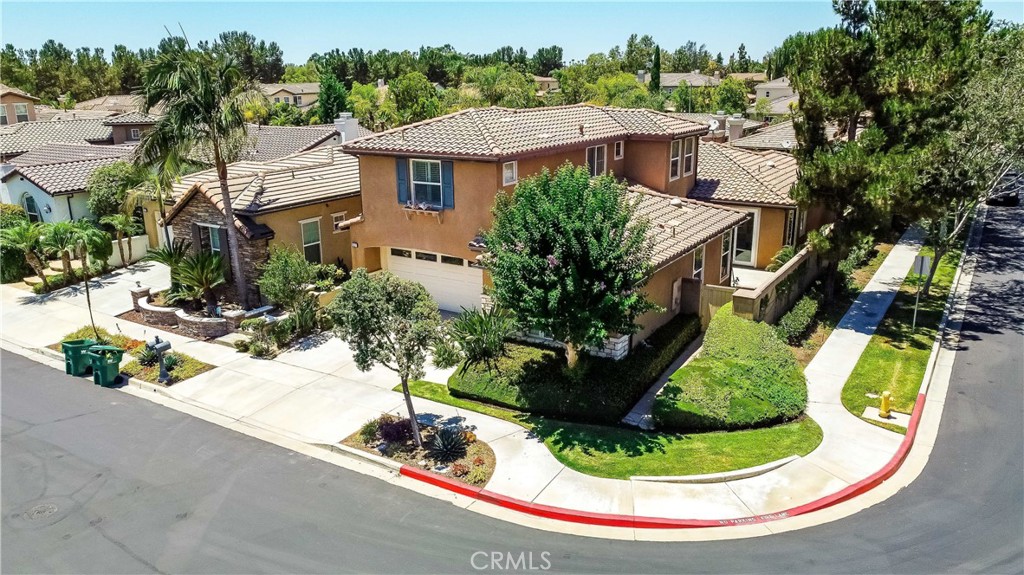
<point x="883" y="412"/>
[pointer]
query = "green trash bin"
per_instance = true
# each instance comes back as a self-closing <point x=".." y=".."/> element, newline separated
<point x="75" y="361"/>
<point x="106" y="364"/>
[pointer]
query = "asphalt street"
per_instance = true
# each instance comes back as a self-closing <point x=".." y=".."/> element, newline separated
<point x="95" y="481"/>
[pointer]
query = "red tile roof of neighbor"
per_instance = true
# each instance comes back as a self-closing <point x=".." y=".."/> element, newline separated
<point x="24" y="136"/>
<point x="496" y="133"/>
<point x="728" y="174"/>
<point x="5" y="89"/>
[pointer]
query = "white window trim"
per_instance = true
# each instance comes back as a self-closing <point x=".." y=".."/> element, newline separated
<point x="620" y="149"/>
<point x="3" y="113"/>
<point x="24" y="106"/>
<point x="24" y="205"/>
<point x="334" y="222"/>
<point x="671" y="159"/>
<point x="692" y="156"/>
<point x="515" y="173"/>
<point x="298" y="100"/>
<point x="726" y="258"/>
<point x="413" y="182"/>
<point x="756" y="212"/>
<point x="135" y="133"/>
<point x="211" y="227"/>
<point x="604" y="168"/>
<point x="320" y="236"/>
<point x="697" y="270"/>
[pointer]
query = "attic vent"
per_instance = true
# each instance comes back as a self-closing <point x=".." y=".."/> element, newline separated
<point x="678" y="203"/>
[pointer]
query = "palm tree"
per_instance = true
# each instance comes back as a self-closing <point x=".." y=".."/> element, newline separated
<point x="26" y="237"/>
<point x="171" y="255"/>
<point x="59" y="238"/>
<point x="202" y="271"/>
<point x="204" y="97"/>
<point x="124" y="226"/>
<point x="159" y="188"/>
<point x="85" y="236"/>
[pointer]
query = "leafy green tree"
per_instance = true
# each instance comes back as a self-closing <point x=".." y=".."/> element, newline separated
<point x="621" y="90"/>
<point x="308" y="72"/>
<point x="372" y="108"/>
<point x="108" y="187"/>
<point x="503" y="85"/>
<point x="203" y="98"/>
<point x="731" y="96"/>
<point x="257" y="60"/>
<point x="387" y="321"/>
<point x="689" y="57"/>
<point x="742" y="59"/>
<point x="333" y="98"/>
<point x="285" y="277"/>
<point x="25" y="237"/>
<point x="285" y="114"/>
<point x="762" y="108"/>
<point x="639" y="53"/>
<point x="655" y="83"/>
<point x="569" y="256"/>
<point x="545" y="60"/>
<point x="16" y="68"/>
<point x="125" y="70"/>
<point x="415" y="98"/>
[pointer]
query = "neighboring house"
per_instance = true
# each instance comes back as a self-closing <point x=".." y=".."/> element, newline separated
<point x="16" y="106"/>
<point x="780" y="136"/>
<point x="757" y="183"/>
<point x="48" y="114"/>
<point x="49" y="181"/>
<point x="545" y="84"/>
<point x="671" y="81"/>
<point x="129" y="127"/>
<point x="774" y="89"/>
<point x="749" y="77"/>
<point x="306" y="201"/>
<point x="721" y="122"/>
<point x="780" y="95"/>
<point x="301" y="94"/>
<point x="428" y="190"/>
<point x="25" y="136"/>
<point x="117" y="104"/>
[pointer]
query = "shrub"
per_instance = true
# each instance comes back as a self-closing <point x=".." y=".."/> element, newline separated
<point x="599" y="390"/>
<point x="171" y="361"/>
<point x="797" y="322"/>
<point x="284" y="277"/>
<point x="147" y="357"/>
<point x="396" y="430"/>
<point x="259" y="348"/>
<point x="108" y="187"/>
<point x="746" y="377"/>
<point x="368" y="432"/>
<point x="479" y="336"/>
<point x="780" y="258"/>
<point x="13" y="267"/>
<point x="448" y="444"/>
<point x="477" y="476"/>
<point x="460" y="470"/>
<point x="859" y="254"/>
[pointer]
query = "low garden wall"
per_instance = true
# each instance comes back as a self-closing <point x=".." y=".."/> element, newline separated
<point x="139" y="246"/>
<point x="202" y="327"/>
<point x="771" y="300"/>
<point x="157" y="315"/>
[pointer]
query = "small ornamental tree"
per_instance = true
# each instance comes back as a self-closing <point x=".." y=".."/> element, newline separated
<point x="285" y="276"/>
<point x="569" y="256"/>
<point x="388" y="321"/>
<point x="108" y="187"/>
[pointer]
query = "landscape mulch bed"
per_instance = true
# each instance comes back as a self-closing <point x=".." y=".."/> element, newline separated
<point x="478" y="455"/>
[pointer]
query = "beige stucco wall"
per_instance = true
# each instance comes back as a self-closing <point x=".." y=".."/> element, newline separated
<point x="307" y="99"/>
<point x="123" y="134"/>
<point x="9" y="100"/>
<point x="648" y="163"/>
<point x="771" y="235"/>
<point x="288" y="232"/>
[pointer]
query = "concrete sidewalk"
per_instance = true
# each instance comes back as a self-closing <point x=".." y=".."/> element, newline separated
<point x="315" y="394"/>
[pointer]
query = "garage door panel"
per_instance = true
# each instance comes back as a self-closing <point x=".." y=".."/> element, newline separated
<point x="452" y="286"/>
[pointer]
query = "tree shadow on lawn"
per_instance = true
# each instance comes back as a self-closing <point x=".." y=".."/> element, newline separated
<point x="593" y="440"/>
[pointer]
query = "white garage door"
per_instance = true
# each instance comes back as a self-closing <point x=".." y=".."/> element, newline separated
<point x="450" y="280"/>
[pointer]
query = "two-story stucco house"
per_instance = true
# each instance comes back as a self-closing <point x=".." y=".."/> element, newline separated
<point x="16" y="105"/>
<point x="301" y="94"/>
<point x="428" y="189"/>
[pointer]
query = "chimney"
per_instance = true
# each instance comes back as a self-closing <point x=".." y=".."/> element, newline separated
<point x="718" y="134"/>
<point x="347" y="127"/>
<point x="380" y="83"/>
<point x="718" y="75"/>
<point x="696" y="71"/>
<point x="734" y="126"/>
<point x="641" y="76"/>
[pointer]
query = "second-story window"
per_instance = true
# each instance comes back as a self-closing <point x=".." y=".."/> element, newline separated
<point x="135" y="133"/>
<point x="688" y="156"/>
<point x="298" y="100"/>
<point x="596" y="159"/>
<point x="509" y="173"/>
<point x="21" y="112"/>
<point x="674" y="157"/>
<point x="426" y="182"/>
<point x="727" y="254"/>
<point x="618" y="150"/>
<point x="698" y="264"/>
<point x="3" y="114"/>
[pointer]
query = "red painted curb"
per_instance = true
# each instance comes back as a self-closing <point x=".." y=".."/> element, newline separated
<point x="616" y="520"/>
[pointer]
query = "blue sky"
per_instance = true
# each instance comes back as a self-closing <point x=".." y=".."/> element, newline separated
<point x="303" y="28"/>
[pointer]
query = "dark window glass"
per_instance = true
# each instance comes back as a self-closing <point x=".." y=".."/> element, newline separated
<point x="401" y="253"/>
<point x="451" y="260"/>
<point x="426" y="257"/>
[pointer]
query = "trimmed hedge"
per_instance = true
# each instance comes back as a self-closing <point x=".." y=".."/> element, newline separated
<point x="535" y="380"/>
<point x="793" y="326"/>
<point x="745" y="377"/>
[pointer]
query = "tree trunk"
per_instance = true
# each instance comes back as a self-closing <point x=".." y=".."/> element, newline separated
<point x="120" y="248"/>
<point x="37" y="265"/>
<point x="65" y="264"/>
<point x="129" y="253"/>
<point x="939" y="252"/>
<point x="88" y="297"/>
<point x="211" y="301"/>
<point x="831" y="279"/>
<point x="572" y="355"/>
<point x="412" y="413"/>
<point x="229" y="222"/>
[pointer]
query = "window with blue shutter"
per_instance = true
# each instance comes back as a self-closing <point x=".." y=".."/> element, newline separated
<point x="447" y="185"/>
<point x="402" y="171"/>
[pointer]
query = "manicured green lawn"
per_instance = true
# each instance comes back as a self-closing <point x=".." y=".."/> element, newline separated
<point x="618" y="452"/>
<point x="895" y="360"/>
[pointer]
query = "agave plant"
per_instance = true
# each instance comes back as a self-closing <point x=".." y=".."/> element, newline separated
<point x="202" y="271"/>
<point x="481" y="335"/>
<point x="448" y="444"/>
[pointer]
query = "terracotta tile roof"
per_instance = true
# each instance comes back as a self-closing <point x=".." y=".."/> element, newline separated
<point x="131" y="119"/>
<point x="272" y="142"/>
<point x="679" y="225"/>
<point x="291" y="87"/>
<point x="55" y="115"/>
<point x="61" y="178"/>
<point x="778" y="136"/>
<point x="677" y="79"/>
<point x="703" y="118"/>
<point x="496" y="133"/>
<point x="24" y="136"/>
<point x="58" y="153"/>
<point x="257" y="188"/>
<point x="5" y="89"/>
<point x="118" y="103"/>
<point x="728" y="174"/>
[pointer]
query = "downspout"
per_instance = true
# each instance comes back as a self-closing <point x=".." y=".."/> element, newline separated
<point x="71" y="215"/>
